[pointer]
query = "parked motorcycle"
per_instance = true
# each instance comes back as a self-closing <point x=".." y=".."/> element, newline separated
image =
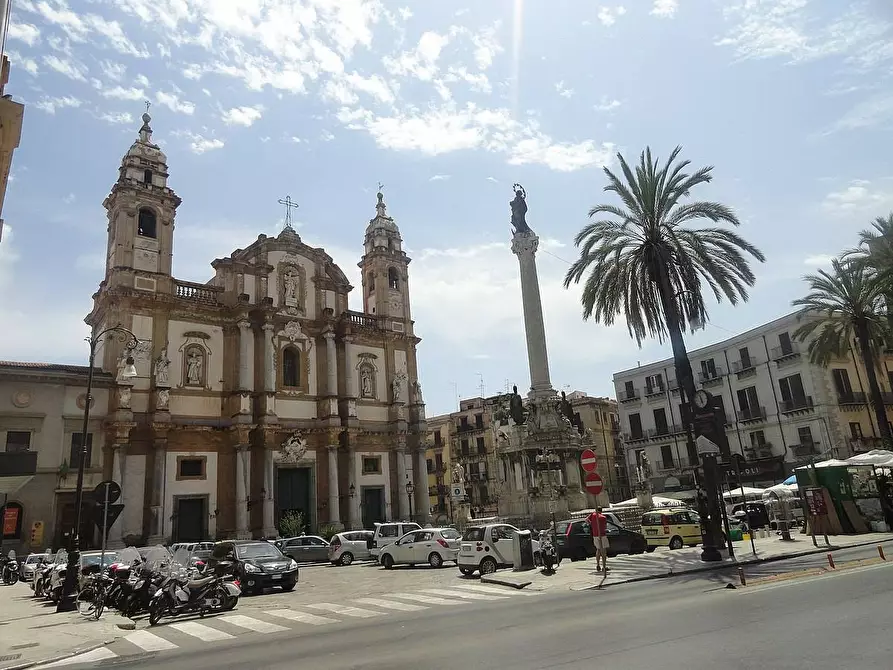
<point x="9" y="572"/>
<point x="42" y="579"/>
<point x="185" y="591"/>
<point x="548" y="554"/>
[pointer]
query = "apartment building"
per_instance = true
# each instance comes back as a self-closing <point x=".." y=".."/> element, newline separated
<point x="437" y="457"/>
<point x="600" y="416"/>
<point x="780" y="410"/>
<point x="472" y="445"/>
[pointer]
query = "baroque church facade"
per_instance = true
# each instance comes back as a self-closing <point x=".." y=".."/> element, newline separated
<point x="259" y="392"/>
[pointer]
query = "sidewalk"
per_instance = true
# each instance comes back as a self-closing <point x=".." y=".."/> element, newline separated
<point x="581" y="575"/>
<point x="31" y="632"/>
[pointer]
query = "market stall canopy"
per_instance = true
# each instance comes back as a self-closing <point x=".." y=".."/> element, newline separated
<point x="780" y="491"/>
<point x="658" y="501"/>
<point x="878" y="457"/>
<point x="750" y="493"/>
<point x="830" y="463"/>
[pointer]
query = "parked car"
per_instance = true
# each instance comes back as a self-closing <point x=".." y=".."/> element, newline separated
<point x="306" y="548"/>
<point x="345" y="548"/>
<point x="488" y="548"/>
<point x="625" y="541"/>
<point x="428" y="545"/>
<point x="673" y="527"/>
<point x="191" y="546"/>
<point x="573" y="539"/>
<point x="388" y="533"/>
<point x="757" y="514"/>
<point x="256" y="564"/>
<point x="27" y="567"/>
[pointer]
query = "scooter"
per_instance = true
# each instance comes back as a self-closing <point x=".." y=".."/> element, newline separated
<point x="10" y="570"/>
<point x="178" y="596"/>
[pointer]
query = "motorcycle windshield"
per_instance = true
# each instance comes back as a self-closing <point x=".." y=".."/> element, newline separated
<point x="180" y="562"/>
<point x="129" y="556"/>
<point x="155" y="556"/>
<point x="11" y="555"/>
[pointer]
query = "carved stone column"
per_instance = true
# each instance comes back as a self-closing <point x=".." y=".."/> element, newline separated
<point x="524" y="246"/>
<point x="421" y="488"/>
<point x="159" y="489"/>
<point x="269" y="529"/>
<point x="116" y="532"/>
<point x="402" y="496"/>
<point x="331" y="364"/>
<point x="243" y="482"/>
<point x="269" y="369"/>
<point x="353" y="512"/>
<point x="246" y="342"/>
<point x="334" y="506"/>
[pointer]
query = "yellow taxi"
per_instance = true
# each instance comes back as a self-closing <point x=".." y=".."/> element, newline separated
<point x="673" y="527"/>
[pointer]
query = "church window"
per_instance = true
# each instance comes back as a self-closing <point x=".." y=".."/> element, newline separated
<point x="393" y="279"/>
<point x="371" y="282"/>
<point x="291" y="367"/>
<point x="148" y="224"/>
<point x="147" y="176"/>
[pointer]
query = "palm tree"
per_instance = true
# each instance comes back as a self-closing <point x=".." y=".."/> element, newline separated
<point x="850" y="302"/>
<point x="646" y="262"/>
<point x="876" y="251"/>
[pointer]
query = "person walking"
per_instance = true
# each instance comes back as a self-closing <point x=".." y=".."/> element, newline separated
<point x="598" y="522"/>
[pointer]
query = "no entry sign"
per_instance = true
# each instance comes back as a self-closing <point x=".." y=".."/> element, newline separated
<point x="588" y="460"/>
<point x="593" y="483"/>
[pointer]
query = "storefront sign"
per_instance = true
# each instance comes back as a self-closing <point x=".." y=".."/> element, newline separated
<point x="10" y="520"/>
<point x="815" y="501"/>
<point x="37" y="534"/>
<point x="768" y="468"/>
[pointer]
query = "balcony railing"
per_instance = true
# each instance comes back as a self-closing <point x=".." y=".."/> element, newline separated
<point x="199" y="293"/>
<point x="744" y="368"/>
<point x="633" y="437"/>
<point x="805" y="449"/>
<point x="756" y="451"/>
<point x="675" y="464"/>
<point x="654" y="390"/>
<point x="781" y="353"/>
<point x="863" y="444"/>
<point x="660" y="431"/>
<point x="711" y="377"/>
<point x="752" y="414"/>
<point x="626" y="396"/>
<point x="468" y="427"/>
<point x="851" y="398"/>
<point x="360" y="320"/>
<point x="797" y="404"/>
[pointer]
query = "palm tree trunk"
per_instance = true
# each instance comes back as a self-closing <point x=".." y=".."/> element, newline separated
<point x="877" y="400"/>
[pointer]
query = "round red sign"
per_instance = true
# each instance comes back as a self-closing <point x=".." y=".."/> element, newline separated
<point x="593" y="483"/>
<point x="588" y="461"/>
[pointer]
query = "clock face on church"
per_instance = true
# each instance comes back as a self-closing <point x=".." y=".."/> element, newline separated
<point x="396" y="305"/>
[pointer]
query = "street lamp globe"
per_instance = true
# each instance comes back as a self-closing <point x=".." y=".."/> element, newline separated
<point x="409" y="487"/>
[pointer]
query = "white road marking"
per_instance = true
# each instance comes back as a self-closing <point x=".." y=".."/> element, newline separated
<point x="251" y="623"/>
<point x="430" y="600"/>
<point x="390" y="604"/>
<point x="302" y="617"/>
<point x="345" y="610"/>
<point x="492" y="590"/>
<point x="99" y="654"/>
<point x="464" y="596"/>
<point x="202" y="632"/>
<point x="149" y="641"/>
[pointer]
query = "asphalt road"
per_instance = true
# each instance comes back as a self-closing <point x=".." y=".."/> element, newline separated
<point x="842" y="620"/>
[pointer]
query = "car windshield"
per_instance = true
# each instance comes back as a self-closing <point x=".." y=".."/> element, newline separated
<point x="450" y="533"/>
<point x="93" y="559"/>
<point x="474" y="535"/>
<point x="561" y="527"/>
<point x="258" y="550"/>
<point x="34" y="559"/>
<point x="653" y="519"/>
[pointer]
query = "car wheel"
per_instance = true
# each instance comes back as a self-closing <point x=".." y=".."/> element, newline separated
<point x="488" y="566"/>
<point x="387" y="561"/>
<point x="435" y="560"/>
<point x="639" y="549"/>
<point x="650" y="548"/>
<point x="468" y="572"/>
<point x="346" y="558"/>
<point x="676" y="543"/>
<point x="288" y="587"/>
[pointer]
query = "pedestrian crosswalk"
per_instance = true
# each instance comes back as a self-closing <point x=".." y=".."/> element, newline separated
<point x="174" y="634"/>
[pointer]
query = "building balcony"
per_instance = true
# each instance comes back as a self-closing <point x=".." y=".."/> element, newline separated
<point x="634" y="437"/>
<point x="861" y="445"/>
<point x="806" y="449"/>
<point x="628" y="396"/>
<point x="675" y="464"/>
<point x="651" y="391"/>
<point x="711" y="378"/>
<point x="663" y="431"/>
<point x="751" y="414"/>
<point x="756" y="452"/>
<point x="803" y="404"/>
<point x="852" y="398"/>
<point x="201" y="294"/>
<point x="744" y="369"/>
<point x="361" y="320"/>
<point x="673" y="386"/>
<point x="468" y="428"/>
<point x="781" y="354"/>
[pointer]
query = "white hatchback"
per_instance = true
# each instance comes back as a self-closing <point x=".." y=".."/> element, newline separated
<point x="429" y="545"/>
<point x="488" y="548"/>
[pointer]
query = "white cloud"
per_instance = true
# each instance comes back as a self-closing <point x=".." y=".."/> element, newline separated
<point x="50" y="105"/>
<point x="609" y="16"/>
<point x="117" y="117"/>
<point x="199" y="144"/>
<point x="24" y="32"/>
<point x="70" y="198"/>
<point x="866" y="114"/>
<point x="68" y="68"/>
<point x="113" y="32"/>
<point x="607" y="105"/>
<point x="563" y="91"/>
<point x="861" y="199"/>
<point x="405" y="13"/>
<point x="665" y="8"/>
<point x="295" y="140"/>
<point x="141" y="80"/>
<point x="242" y="116"/>
<point x="443" y="130"/>
<point x="172" y="102"/>
<point x="8" y="258"/>
<point x="112" y="70"/>
<point x="420" y="63"/>
<point x="818" y="260"/>
<point x="121" y="93"/>
<point x="439" y="177"/>
<point x="20" y="62"/>
<point x="494" y="179"/>
<point x="326" y="136"/>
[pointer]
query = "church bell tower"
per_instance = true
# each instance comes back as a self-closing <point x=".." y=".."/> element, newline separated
<point x="385" y="269"/>
<point x="141" y="210"/>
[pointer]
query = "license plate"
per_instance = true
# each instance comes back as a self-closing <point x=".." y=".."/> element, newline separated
<point x="276" y="577"/>
<point x="651" y="531"/>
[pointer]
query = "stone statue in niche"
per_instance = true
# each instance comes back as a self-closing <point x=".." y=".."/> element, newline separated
<point x="417" y="393"/>
<point x="164" y="396"/>
<point x="519" y="210"/>
<point x="459" y="474"/>
<point x="194" y="367"/>
<point x="516" y="407"/>
<point x="162" y="368"/>
<point x="124" y="394"/>
<point x="367" y="389"/>
<point x="292" y="287"/>
<point x="397" y="385"/>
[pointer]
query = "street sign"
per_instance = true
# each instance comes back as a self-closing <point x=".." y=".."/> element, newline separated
<point x="458" y="491"/>
<point x="593" y="483"/>
<point x="114" y="511"/>
<point x="815" y="501"/>
<point x="114" y="491"/>
<point x="588" y="461"/>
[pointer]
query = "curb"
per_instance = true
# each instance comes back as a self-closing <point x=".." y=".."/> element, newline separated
<point x="60" y="657"/>
<point x="504" y="582"/>
<point x="751" y="561"/>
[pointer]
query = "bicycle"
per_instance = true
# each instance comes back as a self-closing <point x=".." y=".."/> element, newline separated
<point x="86" y="598"/>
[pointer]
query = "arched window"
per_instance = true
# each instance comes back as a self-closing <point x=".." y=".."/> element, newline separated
<point x="148" y="224"/>
<point x="393" y="279"/>
<point x="370" y="282"/>
<point x="147" y="176"/>
<point x="291" y="367"/>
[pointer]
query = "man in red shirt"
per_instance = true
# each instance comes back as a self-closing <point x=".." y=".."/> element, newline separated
<point x="598" y="522"/>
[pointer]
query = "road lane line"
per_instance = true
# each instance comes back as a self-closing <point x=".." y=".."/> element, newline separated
<point x="251" y="623"/>
<point x="202" y="632"/>
<point x="302" y="617"/>
<point x="87" y="657"/>
<point x="464" y="596"/>
<point x="495" y="591"/>
<point x="390" y="604"/>
<point x="149" y="641"/>
<point x="430" y="600"/>
<point x="345" y="610"/>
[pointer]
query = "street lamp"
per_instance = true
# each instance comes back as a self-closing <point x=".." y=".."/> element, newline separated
<point x="68" y="599"/>
<point x="352" y="491"/>
<point x="410" y="489"/>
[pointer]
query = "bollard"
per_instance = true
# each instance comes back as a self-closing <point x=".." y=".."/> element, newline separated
<point x="831" y="561"/>
<point x="880" y="552"/>
<point x="741" y="577"/>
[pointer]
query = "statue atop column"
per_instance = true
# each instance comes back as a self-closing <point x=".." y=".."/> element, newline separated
<point x="519" y="210"/>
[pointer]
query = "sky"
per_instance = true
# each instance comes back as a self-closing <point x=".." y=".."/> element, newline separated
<point x="447" y="104"/>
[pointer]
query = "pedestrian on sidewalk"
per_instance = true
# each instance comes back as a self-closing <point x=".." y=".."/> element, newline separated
<point x="598" y="522"/>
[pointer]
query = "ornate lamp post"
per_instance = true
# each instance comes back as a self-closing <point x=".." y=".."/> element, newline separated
<point x="67" y="602"/>
<point x="410" y="489"/>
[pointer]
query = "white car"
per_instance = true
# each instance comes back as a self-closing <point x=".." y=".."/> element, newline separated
<point x="488" y="548"/>
<point x="388" y="533"/>
<point x="429" y="545"/>
<point x="350" y="546"/>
